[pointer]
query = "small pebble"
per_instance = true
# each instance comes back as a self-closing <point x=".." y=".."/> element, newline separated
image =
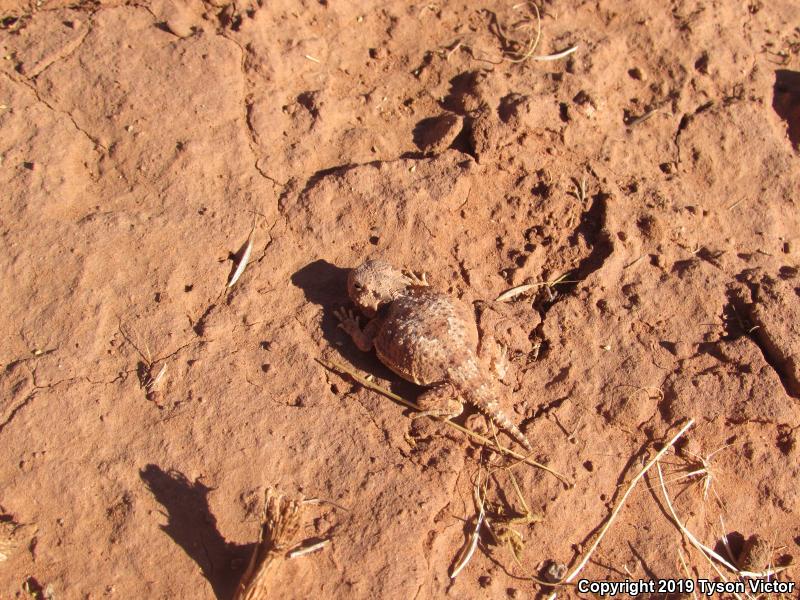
<point x="180" y="24"/>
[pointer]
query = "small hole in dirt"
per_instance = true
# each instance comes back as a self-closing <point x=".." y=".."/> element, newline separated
<point x="188" y="288"/>
<point x="265" y="345"/>
<point x="736" y="542"/>
<point x="374" y="239"/>
<point x="563" y="112"/>
<point x="541" y="189"/>
<point x="335" y="389"/>
<point x="786" y="102"/>
<point x="701" y="64"/>
<point x="786" y="442"/>
<point x="265" y="367"/>
<point x="747" y="451"/>
<point x="730" y="440"/>
<point x="636" y="73"/>
<point x="589" y="466"/>
<point x="603" y="497"/>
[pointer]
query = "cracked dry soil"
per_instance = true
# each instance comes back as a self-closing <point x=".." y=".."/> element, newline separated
<point x="145" y="407"/>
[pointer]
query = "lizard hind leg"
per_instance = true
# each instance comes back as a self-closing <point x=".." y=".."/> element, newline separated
<point x="494" y="357"/>
<point x="441" y="400"/>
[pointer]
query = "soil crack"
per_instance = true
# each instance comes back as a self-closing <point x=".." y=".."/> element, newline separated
<point x="15" y="410"/>
<point x="252" y="135"/>
<point x="64" y="53"/>
<point x="748" y="324"/>
<point x="30" y="85"/>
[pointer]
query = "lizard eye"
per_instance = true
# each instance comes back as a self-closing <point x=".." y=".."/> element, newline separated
<point x="358" y="287"/>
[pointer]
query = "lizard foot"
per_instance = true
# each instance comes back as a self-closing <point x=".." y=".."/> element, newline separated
<point x="439" y="401"/>
<point x="348" y="321"/>
<point x="500" y="364"/>
<point x="414" y="279"/>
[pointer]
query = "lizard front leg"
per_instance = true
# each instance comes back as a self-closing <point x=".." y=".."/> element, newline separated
<point x="349" y="322"/>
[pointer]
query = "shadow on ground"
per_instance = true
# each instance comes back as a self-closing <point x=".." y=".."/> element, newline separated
<point x="786" y="102"/>
<point x="192" y="526"/>
<point x="325" y="284"/>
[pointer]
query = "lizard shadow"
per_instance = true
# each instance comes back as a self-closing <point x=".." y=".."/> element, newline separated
<point x="193" y="527"/>
<point x="325" y="284"/>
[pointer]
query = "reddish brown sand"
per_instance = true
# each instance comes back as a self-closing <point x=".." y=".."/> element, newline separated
<point x="139" y="142"/>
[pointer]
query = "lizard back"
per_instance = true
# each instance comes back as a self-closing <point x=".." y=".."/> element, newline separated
<point x="426" y="334"/>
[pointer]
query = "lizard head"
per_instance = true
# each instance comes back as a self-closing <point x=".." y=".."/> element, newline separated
<point x="374" y="284"/>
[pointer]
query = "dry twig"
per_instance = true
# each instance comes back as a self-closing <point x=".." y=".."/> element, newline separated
<point x="469" y="549"/>
<point x="486" y="442"/>
<point x="245" y="258"/>
<point x="708" y="552"/>
<point x="604" y="529"/>
<point x="522" y="289"/>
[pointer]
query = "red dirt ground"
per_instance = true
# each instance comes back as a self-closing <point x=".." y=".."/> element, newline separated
<point x="138" y="144"/>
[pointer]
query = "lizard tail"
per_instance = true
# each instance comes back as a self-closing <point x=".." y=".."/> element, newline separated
<point x="499" y="418"/>
<point x="484" y="397"/>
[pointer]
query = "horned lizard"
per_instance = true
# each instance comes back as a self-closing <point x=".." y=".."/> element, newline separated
<point x="428" y="338"/>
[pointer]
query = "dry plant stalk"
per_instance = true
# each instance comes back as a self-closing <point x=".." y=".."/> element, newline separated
<point x="486" y="442"/>
<point x="147" y="381"/>
<point x="279" y="526"/>
<point x="516" y="56"/>
<point x="244" y="260"/>
<point x="522" y="289"/>
<point x="466" y="553"/>
<point x="708" y="552"/>
<point x="514" y="50"/>
<point x="495" y="518"/>
<point x="7" y="542"/>
<point x="604" y="529"/>
<point x="502" y="517"/>
<point x="13" y="536"/>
